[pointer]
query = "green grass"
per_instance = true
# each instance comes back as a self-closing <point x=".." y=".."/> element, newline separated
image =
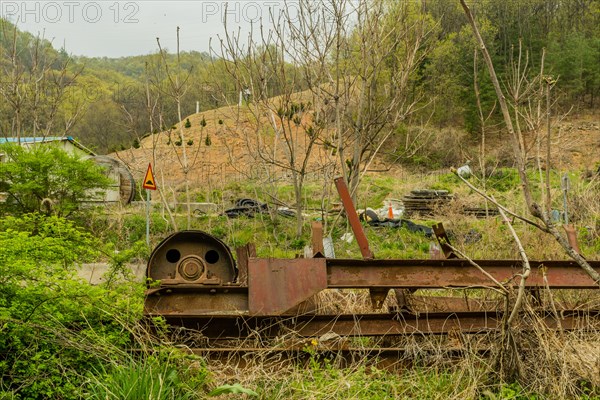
<point x="322" y="379"/>
<point x="143" y="380"/>
<point x="277" y="237"/>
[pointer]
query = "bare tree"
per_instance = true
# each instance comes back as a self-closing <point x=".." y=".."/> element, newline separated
<point x="354" y="61"/>
<point x="153" y="105"/>
<point x="288" y="126"/>
<point x="521" y="91"/>
<point x="37" y="83"/>
<point x="388" y="43"/>
<point x="177" y="87"/>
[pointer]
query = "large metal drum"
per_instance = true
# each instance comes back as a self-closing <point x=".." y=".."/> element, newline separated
<point x="191" y="257"/>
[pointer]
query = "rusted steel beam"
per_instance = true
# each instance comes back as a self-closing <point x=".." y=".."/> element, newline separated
<point x="188" y="300"/>
<point x="346" y="325"/>
<point x="453" y="273"/>
<point x="572" y="237"/>
<point x="402" y="324"/>
<point x="432" y="323"/>
<point x="361" y="238"/>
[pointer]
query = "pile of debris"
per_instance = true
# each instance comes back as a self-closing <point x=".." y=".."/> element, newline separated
<point x="246" y="207"/>
<point x="481" y="212"/>
<point x="371" y="217"/>
<point x="250" y="207"/>
<point x="425" y="201"/>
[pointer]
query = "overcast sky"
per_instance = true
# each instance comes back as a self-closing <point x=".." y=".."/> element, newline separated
<point x="123" y="28"/>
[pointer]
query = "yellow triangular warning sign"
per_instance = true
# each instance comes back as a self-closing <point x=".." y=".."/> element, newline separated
<point x="149" y="182"/>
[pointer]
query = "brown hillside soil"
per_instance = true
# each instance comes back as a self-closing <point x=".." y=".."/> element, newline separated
<point x="577" y="143"/>
<point x="230" y="153"/>
<point x="231" y="156"/>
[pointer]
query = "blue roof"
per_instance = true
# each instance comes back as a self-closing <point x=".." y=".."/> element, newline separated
<point x="38" y="139"/>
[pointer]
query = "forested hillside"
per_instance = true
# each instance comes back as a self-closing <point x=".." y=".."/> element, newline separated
<point x="109" y="103"/>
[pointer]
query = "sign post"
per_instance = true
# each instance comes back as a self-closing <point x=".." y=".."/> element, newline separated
<point x="149" y="184"/>
<point x="565" y="185"/>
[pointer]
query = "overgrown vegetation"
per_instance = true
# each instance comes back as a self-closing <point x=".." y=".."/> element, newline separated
<point x="62" y="337"/>
<point x="76" y="338"/>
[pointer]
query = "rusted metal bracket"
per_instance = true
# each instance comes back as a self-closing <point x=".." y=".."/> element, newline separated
<point x="378" y="296"/>
<point x="442" y="238"/>
<point x="275" y="285"/>
<point x="317" y="240"/>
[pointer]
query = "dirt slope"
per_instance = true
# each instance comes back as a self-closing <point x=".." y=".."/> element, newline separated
<point x="230" y="157"/>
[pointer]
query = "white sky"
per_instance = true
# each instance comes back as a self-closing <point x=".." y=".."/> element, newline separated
<point x="114" y="28"/>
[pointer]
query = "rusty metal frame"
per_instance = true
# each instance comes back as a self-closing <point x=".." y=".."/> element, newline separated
<point x="276" y="286"/>
<point x="268" y="290"/>
<point x="318" y="249"/>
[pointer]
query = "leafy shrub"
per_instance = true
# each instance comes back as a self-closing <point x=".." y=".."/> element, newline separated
<point x="48" y="179"/>
<point x="188" y="124"/>
<point x="53" y="324"/>
<point x="298" y="244"/>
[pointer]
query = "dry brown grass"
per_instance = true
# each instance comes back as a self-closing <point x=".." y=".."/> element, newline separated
<point x="551" y="364"/>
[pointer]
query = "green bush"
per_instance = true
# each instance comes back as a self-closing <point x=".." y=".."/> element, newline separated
<point x="48" y="179"/>
<point x="53" y="324"/>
